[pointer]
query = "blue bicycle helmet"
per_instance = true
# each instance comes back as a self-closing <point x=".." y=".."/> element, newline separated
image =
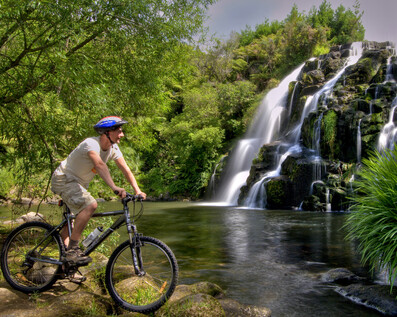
<point x="108" y="124"/>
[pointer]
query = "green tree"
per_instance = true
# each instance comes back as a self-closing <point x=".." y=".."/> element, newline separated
<point x="342" y="25"/>
<point x="346" y="26"/>
<point x="65" y="64"/>
<point x="193" y="140"/>
<point x="217" y="64"/>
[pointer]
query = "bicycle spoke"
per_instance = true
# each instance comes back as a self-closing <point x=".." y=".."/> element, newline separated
<point x="142" y="293"/>
<point x="21" y="265"/>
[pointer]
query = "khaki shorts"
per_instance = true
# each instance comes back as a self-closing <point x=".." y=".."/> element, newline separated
<point x="73" y="194"/>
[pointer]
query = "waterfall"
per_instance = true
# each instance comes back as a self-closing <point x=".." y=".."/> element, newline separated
<point x="265" y="129"/>
<point x="311" y="105"/>
<point x="359" y="141"/>
<point x="292" y="99"/>
<point x="317" y="135"/>
<point x="313" y="101"/>
<point x="257" y="195"/>
<point x="312" y="186"/>
<point x="387" y="137"/>
<point x="211" y="186"/>
<point x="389" y="71"/>
<point x="327" y="203"/>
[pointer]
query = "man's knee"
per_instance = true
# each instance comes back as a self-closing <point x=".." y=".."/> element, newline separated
<point x="92" y="207"/>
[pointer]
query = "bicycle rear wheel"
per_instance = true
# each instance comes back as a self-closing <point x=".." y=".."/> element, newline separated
<point x="146" y="293"/>
<point x="20" y="269"/>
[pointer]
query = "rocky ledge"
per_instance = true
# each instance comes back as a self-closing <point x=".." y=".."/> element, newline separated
<point x="361" y="291"/>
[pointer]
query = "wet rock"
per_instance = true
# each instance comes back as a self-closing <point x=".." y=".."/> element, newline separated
<point x="279" y="193"/>
<point x="313" y="77"/>
<point x="340" y="276"/>
<point x="377" y="297"/>
<point x="234" y="309"/>
<point x="361" y="291"/>
<point x="196" y="305"/>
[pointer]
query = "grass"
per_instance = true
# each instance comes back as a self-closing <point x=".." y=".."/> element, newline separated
<point x="373" y="217"/>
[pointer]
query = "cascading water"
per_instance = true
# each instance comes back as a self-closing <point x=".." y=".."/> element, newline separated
<point x="388" y="136"/>
<point x="257" y="194"/>
<point x="389" y="71"/>
<point x="311" y="105"/>
<point x="359" y="141"/>
<point x="265" y="129"/>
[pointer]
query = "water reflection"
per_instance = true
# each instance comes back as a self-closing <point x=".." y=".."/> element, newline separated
<point x="260" y="257"/>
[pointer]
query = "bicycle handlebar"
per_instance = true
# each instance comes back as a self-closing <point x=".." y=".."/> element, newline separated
<point x="129" y="197"/>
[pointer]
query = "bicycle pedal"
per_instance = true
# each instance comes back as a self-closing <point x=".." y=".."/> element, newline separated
<point x="72" y="265"/>
<point x="77" y="279"/>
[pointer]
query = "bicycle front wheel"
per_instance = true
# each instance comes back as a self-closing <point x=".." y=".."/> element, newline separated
<point x="145" y="293"/>
<point x="27" y="254"/>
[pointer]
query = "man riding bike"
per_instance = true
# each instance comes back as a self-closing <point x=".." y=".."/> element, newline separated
<point x="72" y="177"/>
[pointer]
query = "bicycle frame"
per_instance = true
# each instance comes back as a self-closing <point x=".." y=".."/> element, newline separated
<point x="124" y="218"/>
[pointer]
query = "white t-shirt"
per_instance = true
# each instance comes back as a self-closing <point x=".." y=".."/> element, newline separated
<point x="79" y="165"/>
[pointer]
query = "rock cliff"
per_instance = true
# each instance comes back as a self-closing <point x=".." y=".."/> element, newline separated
<point x="335" y="116"/>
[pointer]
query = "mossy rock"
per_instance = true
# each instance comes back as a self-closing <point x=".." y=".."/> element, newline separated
<point x="279" y="193"/>
<point x="196" y="305"/>
<point x="361" y="72"/>
<point x="201" y="287"/>
<point x="234" y="309"/>
<point x="313" y="77"/>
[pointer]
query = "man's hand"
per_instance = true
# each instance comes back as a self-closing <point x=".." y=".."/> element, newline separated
<point x="120" y="192"/>
<point x="142" y="194"/>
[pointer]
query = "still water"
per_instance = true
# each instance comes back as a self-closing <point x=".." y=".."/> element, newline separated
<point x="259" y="257"/>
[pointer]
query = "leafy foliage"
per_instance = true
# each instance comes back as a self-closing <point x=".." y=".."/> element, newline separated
<point x="64" y="65"/>
<point x="373" y="216"/>
<point x="272" y="49"/>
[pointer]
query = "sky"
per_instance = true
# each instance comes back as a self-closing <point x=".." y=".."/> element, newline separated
<point x="225" y="16"/>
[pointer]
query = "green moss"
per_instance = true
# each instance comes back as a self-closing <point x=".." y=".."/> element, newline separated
<point x="320" y="49"/>
<point x="275" y="190"/>
<point x="329" y="127"/>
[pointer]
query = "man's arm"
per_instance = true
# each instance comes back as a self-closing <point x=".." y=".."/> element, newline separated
<point x="122" y="165"/>
<point x="103" y="171"/>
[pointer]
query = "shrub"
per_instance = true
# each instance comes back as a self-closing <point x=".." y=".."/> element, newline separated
<point x="373" y="217"/>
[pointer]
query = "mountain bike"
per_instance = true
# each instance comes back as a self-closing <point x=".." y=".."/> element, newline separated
<point x="141" y="273"/>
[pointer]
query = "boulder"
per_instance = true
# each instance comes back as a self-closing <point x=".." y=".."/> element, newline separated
<point x="362" y="291"/>
<point x="340" y="276"/>
<point x="377" y="297"/>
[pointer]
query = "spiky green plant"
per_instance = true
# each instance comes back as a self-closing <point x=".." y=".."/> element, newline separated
<point x="373" y="217"/>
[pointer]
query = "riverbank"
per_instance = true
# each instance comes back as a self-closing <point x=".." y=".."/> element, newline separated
<point x="25" y="201"/>
<point x="90" y="298"/>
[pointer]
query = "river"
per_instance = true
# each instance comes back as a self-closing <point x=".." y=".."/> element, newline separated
<point x="271" y="258"/>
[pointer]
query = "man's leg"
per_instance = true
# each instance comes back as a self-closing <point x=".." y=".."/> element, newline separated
<point x="74" y="254"/>
<point x="65" y="236"/>
<point x="81" y="221"/>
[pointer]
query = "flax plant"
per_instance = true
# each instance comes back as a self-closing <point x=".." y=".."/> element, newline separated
<point x="373" y="217"/>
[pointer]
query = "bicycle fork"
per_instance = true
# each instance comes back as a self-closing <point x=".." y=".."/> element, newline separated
<point x="135" y="247"/>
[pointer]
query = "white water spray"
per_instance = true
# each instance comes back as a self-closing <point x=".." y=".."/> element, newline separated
<point x="265" y="129"/>
<point x="359" y="141"/>
<point x="387" y="137"/>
